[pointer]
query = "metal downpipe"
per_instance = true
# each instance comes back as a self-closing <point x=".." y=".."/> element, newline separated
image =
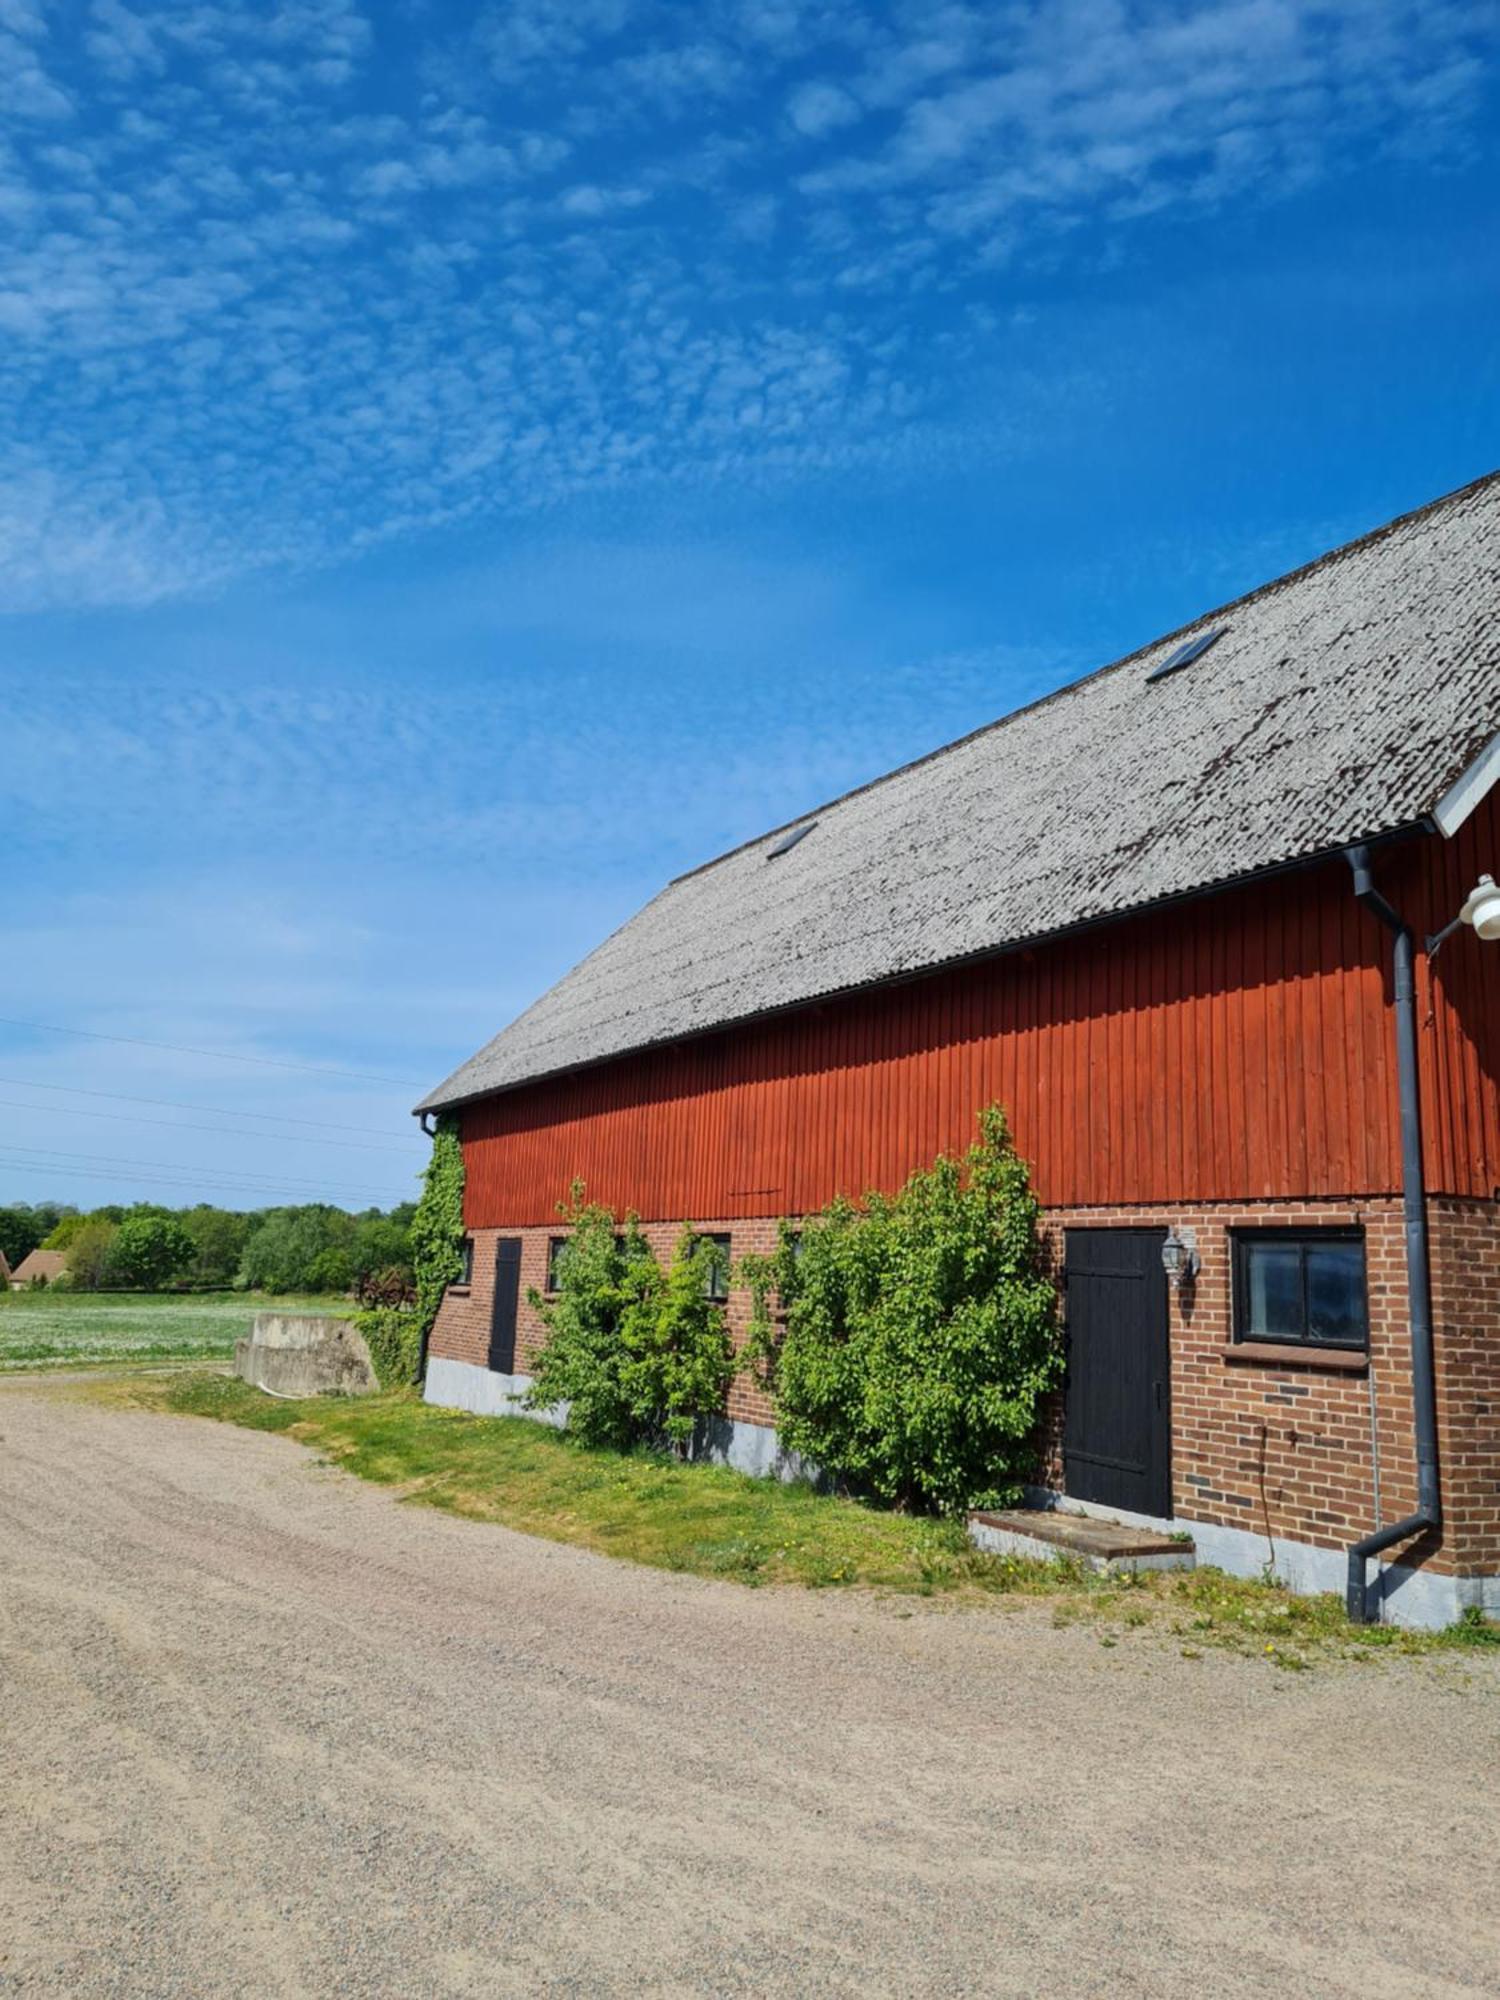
<point x="1429" y="1513"/>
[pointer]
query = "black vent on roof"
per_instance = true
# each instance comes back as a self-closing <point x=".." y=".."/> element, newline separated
<point x="1190" y="650"/>
<point x="789" y="840"/>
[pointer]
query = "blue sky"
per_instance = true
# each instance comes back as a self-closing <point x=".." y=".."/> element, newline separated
<point x="463" y="465"/>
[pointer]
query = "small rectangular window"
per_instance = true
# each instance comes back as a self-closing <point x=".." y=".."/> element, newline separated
<point x="1304" y="1287"/>
<point x="717" y="1282"/>
<point x="1186" y="653"/>
<point x="466" y="1268"/>
<point x="555" y="1248"/>
<point x="789" y="840"/>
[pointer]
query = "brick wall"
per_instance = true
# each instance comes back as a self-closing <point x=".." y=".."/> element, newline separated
<point x="1307" y="1453"/>
<point x="1466" y="1336"/>
<point x="1279" y="1448"/>
<point x="462" y="1331"/>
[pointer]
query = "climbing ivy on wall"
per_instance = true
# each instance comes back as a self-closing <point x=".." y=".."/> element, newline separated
<point x="437" y="1228"/>
<point x="396" y="1335"/>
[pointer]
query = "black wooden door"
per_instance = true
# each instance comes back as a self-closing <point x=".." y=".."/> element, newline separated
<point x="1117" y="1425"/>
<point x="506" y="1304"/>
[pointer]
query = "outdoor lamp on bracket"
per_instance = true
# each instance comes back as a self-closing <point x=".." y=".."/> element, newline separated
<point x="1179" y="1257"/>
<point x="1481" y="912"/>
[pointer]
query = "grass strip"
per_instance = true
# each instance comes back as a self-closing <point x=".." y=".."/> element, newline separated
<point x="709" y="1521"/>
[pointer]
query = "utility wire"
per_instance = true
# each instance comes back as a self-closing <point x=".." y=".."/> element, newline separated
<point x="215" y="1055"/>
<point x="217" y="1110"/>
<point x="182" y="1125"/>
<point x="171" y="1166"/>
<point x="197" y="1184"/>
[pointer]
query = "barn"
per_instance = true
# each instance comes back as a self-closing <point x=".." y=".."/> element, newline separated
<point x="1211" y="924"/>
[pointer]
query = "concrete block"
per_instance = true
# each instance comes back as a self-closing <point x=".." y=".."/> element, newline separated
<point x="305" y="1355"/>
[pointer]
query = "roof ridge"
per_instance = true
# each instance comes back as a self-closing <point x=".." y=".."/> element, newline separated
<point x="1328" y="556"/>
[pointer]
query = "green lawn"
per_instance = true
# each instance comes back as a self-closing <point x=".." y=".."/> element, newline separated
<point x="47" y="1329"/>
<point x="709" y="1521"/>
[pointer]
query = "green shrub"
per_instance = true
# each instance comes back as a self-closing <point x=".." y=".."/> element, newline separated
<point x="394" y="1337"/>
<point x="330" y="1271"/>
<point x="920" y="1333"/>
<point x="582" y="1360"/>
<point x="678" y="1359"/>
<point x="299" y="1249"/>
<point x="62" y="1236"/>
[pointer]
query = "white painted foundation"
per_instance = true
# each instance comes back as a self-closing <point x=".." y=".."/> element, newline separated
<point x="1411" y="1597"/>
<point x="459" y="1385"/>
<point x="1417" y="1598"/>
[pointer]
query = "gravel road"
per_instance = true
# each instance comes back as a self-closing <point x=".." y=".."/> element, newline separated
<point x="266" y="1731"/>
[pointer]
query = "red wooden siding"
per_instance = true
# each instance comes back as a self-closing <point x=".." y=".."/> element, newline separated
<point x="1235" y="1048"/>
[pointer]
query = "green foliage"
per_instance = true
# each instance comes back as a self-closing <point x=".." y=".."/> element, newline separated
<point x="303" y="1249"/>
<point x="394" y="1337"/>
<point x="24" y="1227"/>
<point x="642" y="1355"/>
<point x="382" y="1243"/>
<point x="219" y="1237"/>
<point x="332" y="1270"/>
<point x="919" y="1335"/>
<point x="436" y="1232"/>
<point x="149" y="1251"/>
<point x="62" y="1236"/>
<point x="89" y="1253"/>
<point x="677" y="1357"/>
<point x="1474" y="1629"/>
<point x="600" y="1272"/>
<point x="316" y="1247"/>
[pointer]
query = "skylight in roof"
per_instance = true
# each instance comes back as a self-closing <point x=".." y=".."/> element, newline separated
<point x="1187" y="652"/>
<point x="789" y="840"/>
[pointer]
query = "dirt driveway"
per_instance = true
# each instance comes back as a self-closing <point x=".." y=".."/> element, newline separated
<point x="265" y="1731"/>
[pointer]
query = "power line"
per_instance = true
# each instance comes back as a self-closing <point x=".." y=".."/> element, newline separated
<point x="214" y="1055"/>
<point x="182" y="1125"/>
<point x="195" y="1185"/>
<point x="248" y="1180"/>
<point x="177" y="1104"/>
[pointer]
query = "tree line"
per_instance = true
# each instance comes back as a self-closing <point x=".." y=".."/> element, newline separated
<point x="312" y="1247"/>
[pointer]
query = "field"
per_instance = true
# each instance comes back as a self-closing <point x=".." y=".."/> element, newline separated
<point x="45" y="1329"/>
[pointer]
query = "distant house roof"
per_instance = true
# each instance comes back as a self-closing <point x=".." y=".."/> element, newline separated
<point x="4" y="1269"/>
<point x="1356" y="697"/>
<point x="48" y="1264"/>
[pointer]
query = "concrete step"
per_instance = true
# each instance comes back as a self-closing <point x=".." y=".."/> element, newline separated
<point x="1048" y="1534"/>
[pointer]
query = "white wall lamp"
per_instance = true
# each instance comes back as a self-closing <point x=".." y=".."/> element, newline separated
<point x="1179" y="1257"/>
<point x="1481" y="911"/>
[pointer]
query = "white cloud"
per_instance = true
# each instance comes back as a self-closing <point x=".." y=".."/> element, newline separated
<point x="263" y="306"/>
<point x="817" y="109"/>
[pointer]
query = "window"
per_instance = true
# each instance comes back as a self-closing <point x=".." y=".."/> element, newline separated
<point x="1190" y="650"/>
<point x="1302" y="1286"/>
<point x="465" y="1276"/>
<point x="789" y="840"/>
<point x="555" y="1248"/>
<point x="717" y="1282"/>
